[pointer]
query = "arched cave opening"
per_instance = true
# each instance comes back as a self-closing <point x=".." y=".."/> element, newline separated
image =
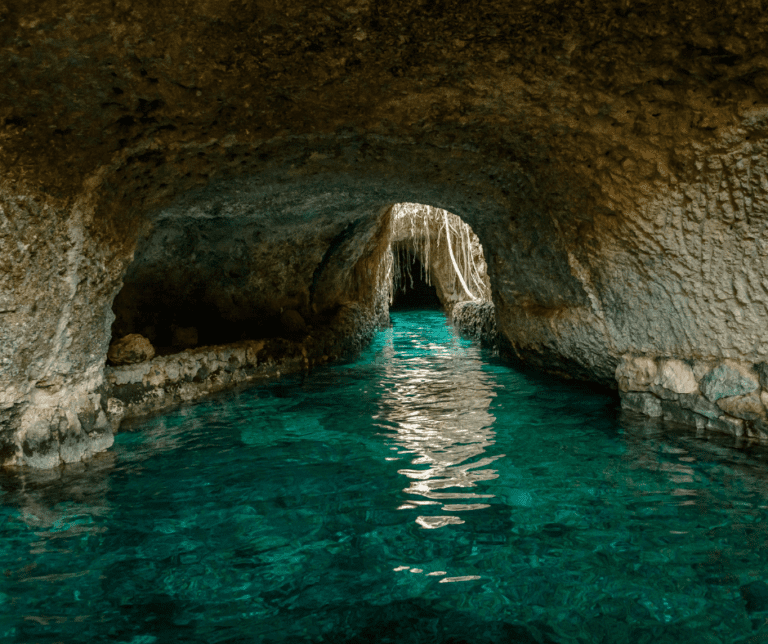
<point x="438" y="260"/>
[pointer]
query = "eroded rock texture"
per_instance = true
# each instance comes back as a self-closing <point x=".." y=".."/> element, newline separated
<point x="225" y="160"/>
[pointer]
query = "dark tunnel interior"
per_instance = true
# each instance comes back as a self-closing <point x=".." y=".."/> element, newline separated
<point x="414" y="292"/>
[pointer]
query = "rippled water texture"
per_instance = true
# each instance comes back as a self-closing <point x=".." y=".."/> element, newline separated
<point x="424" y="493"/>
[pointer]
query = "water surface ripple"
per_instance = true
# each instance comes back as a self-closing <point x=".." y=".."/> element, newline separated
<point x="425" y="492"/>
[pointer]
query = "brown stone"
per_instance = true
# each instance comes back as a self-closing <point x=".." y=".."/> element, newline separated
<point x="747" y="407"/>
<point x="131" y="349"/>
<point x="292" y="323"/>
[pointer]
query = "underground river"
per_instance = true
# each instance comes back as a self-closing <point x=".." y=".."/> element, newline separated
<point x="426" y="492"/>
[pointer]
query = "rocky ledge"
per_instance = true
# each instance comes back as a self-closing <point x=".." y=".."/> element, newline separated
<point x="721" y="395"/>
<point x="134" y="390"/>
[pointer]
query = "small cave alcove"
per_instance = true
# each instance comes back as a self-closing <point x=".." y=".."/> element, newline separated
<point x="173" y="324"/>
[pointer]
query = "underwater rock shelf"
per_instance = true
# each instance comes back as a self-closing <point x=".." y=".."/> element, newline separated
<point x="162" y="382"/>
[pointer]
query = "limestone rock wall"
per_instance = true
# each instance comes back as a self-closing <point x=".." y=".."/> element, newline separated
<point x="476" y="320"/>
<point x="724" y="396"/>
<point x="237" y="157"/>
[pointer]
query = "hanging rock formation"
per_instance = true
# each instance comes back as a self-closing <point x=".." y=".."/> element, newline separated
<point x="222" y="162"/>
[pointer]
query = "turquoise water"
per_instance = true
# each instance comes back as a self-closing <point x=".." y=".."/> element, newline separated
<point x="424" y="493"/>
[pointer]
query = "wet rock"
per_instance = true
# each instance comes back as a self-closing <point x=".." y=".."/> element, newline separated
<point x="677" y="376"/>
<point x="642" y="403"/>
<point x="747" y="407"/>
<point x="131" y="349"/>
<point x="672" y="411"/>
<point x="728" y="379"/>
<point x="755" y="596"/>
<point x="663" y="392"/>
<point x="762" y="373"/>
<point x="726" y="425"/>
<point x="184" y="337"/>
<point x="476" y="320"/>
<point x="636" y="374"/>
<point x="700" y="405"/>
<point x="757" y="429"/>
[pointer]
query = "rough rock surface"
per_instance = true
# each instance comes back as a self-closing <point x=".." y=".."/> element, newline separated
<point x="130" y="349"/>
<point x="221" y="161"/>
<point x="723" y="397"/>
<point x="728" y="379"/>
<point x="476" y="320"/>
<point x="134" y="390"/>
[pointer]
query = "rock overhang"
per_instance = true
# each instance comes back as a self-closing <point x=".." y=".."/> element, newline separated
<point x="610" y="157"/>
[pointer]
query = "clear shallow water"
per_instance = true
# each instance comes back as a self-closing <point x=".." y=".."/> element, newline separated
<point x="424" y="493"/>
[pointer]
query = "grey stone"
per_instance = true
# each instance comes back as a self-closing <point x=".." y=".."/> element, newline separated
<point x="700" y="405"/>
<point x="476" y="320"/>
<point x="757" y="429"/>
<point x="726" y="425"/>
<point x="672" y="411"/>
<point x="642" y="403"/>
<point x="747" y="407"/>
<point x="727" y="379"/>
<point x="663" y="392"/>
<point x="762" y="373"/>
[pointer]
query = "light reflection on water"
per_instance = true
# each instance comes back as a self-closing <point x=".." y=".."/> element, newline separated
<point x="307" y="511"/>
<point x="434" y="405"/>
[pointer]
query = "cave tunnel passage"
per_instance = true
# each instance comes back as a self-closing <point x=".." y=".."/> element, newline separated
<point x="203" y="281"/>
<point x="438" y="260"/>
<point x="413" y="292"/>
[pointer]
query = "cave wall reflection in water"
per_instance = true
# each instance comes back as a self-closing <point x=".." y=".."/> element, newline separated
<point x="424" y="492"/>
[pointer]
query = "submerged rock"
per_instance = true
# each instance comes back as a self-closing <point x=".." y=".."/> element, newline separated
<point x="131" y="349"/>
<point x="755" y="596"/>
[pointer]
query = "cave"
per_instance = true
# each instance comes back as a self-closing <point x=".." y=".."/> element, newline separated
<point x="222" y="181"/>
<point x="165" y="174"/>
